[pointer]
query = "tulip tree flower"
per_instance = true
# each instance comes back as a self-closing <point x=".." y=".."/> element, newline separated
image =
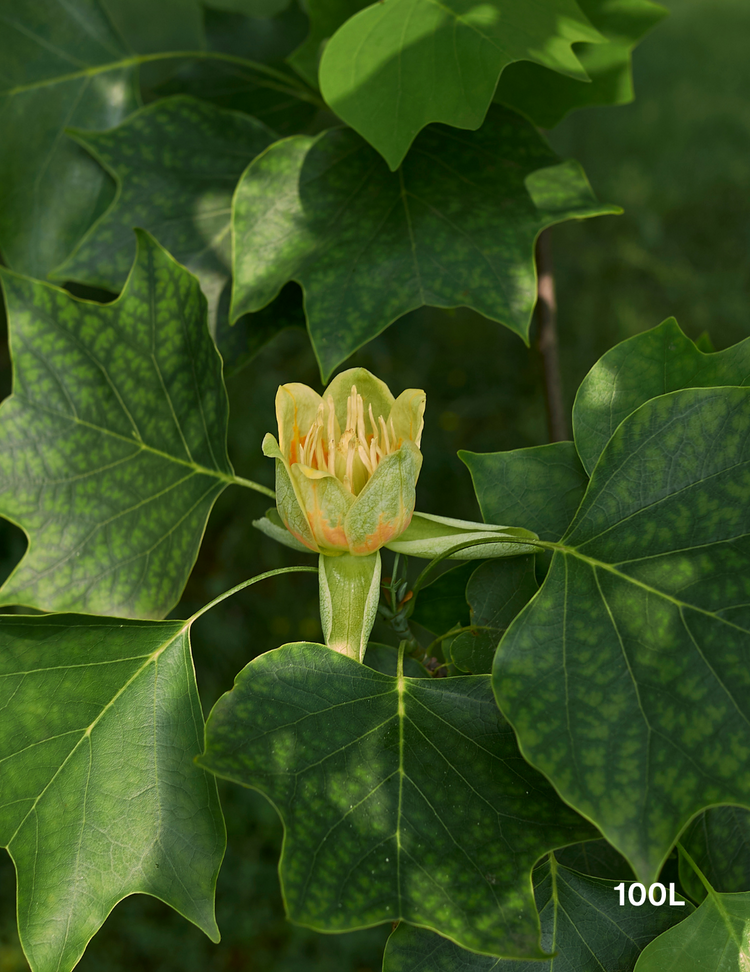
<point x="347" y="464"/>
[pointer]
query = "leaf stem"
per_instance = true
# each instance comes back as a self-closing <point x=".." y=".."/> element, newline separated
<point x="547" y="343"/>
<point x="420" y="581"/>
<point x="713" y="895"/>
<point x="249" y="583"/>
<point x="249" y="484"/>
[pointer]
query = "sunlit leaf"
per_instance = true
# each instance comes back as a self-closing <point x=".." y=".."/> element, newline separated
<point x="176" y="164"/>
<point x="627" y="676"/>
<point x="326" y="16"/>
<point x="100" y="797"/>
<point x="658" y="361"/>
<point x="582" y="921"/>
<point x="113" y="442"/>
<point x="368" y="245"/>
<point x="401" y="798"/>
<point x="394" y="67"/>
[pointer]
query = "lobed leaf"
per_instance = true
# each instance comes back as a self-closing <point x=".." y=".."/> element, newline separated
<point x="653" y="363"/>
<point x="395" y="67"/>
<point x="582" y="923"/>
<point x="176" y="164"/>
<point x="401" y="798"/>
<point x="100" y="722"/>
<point x="368" y="245"/>
<point x="114" y="440"/>
<point x="626" y="676"/>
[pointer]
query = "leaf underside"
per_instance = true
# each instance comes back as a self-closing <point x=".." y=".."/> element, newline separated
<point x="401" y="798"/>
<point x="114" y="440"/>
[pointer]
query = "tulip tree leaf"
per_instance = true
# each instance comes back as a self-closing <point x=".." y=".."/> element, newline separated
<point x="100" y="722"/>
<point x="658" y="361"/>
<point x="113" y="442"/>
<point x="596" y="858"/>
<point x="401" y="798"/>
<point x="538" y="488"/>
<point x="368" y="245"/>
<point x="635" y="654"/>
<point x="582" y="923"/>
<point x="326" y="16"/>
<point x="546" y="97"/>
<point x="60" y="64"/>
<point x="496" y="593"/>
<point x="714" y="938"/>
<point x="394" y="67"/>
<point x="718" y="840"/>
<point x="176" y="164"/>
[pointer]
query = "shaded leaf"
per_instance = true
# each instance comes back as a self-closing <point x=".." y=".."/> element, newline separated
<point x="596" y="858"/>
<point x="326" y="16"/>
<point x="658" y="361"/>
<point x="442" y="604"/>
<point x="239" y="344"/>
<point x="176" y="164"/>
<point x="114" y="440"/>
<point x="546" y="97"/>
<point x="394" y="67"/>
<point x="582" y="923"/>
<point x="633" y="660"/>
<point x="367" y="245"/>
<point x="401" y="798"/>
<point x="384" y="659"/>
<point x="718" y="840"/>
<point x="252" y="8"/>
<point x="100" y="722"/>
<point x="539" y="488"/>
<point x="496" y="593"/>
<point x="715" y="938"/>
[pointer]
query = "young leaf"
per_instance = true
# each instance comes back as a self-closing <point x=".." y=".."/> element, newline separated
<point x="546" y="97"/>
<point x="113" y="442"/>
<point x="60" y="64"/>
<point x="496" y="592"/>
<point x="401" y="798"/>
<point x="715" y="938"/>
<point x="176" y="164"/>
<point x="718" y="840"/>
<point x="582" y="922"/>
<point x="658" y="361"/>
<point x="395" y="67"/>
<point x="540" y="488"/>
<point x="100" y="722"/>
<point x="368" y="245"/>
<point x="635" y="653"/>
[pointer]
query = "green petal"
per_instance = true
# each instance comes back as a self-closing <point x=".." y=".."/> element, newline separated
<point x="374" y="392"/>
<point x="296" y="404"/>
<point x="325" y="502"/>
<point x="408" y="414"/>
<point x="289" y="505"/>
<point x="431" y="536"/>
<point x="273" y="526"/>
<point x="383" y="509"/>
<point x="349" y="595"/>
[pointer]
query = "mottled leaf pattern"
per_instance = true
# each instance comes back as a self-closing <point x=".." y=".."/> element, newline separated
<point x="368" y="245"/>
<point x="627" y="676"/>
<point x="718" y="840"/>
<point x="100" y="797"/>
<point x="114" y="440"/>
<point x="401" y="798"/>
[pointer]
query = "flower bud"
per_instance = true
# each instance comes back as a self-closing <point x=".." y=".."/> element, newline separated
<point x="347" y="462"/>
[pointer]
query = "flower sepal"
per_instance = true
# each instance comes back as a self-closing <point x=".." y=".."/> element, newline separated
<point x="430" y="536"/>
<point x="349" y="595"/>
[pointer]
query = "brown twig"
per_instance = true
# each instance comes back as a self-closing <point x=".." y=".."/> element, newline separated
<point x="546" y="310"/>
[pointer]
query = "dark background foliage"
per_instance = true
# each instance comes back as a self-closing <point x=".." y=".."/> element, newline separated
<point x="678" y="161"/>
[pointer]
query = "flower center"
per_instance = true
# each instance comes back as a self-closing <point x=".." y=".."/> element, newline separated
<point x="355" y="454"/>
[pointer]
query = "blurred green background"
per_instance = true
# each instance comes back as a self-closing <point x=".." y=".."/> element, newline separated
<point x="678" y="161"/>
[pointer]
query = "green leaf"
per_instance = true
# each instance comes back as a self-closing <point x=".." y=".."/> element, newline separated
<point x="384" y="659"/>
<point x="596" y="858"/>
<point x="367" y="245"/>
<point x="496" y="592"/>
<point x="633" y="659"/>
<point x="100" y="722"/>
<point x="402" y="798"/>
<point x="718" y="840"/>
<point x="658" y="361"/>
<point x="326" y="16"/>
<point x="546" y="98"/>
<point x="395" y="67"/>
<point x="252" y="8"/>
<point x="176" y="164"/>
<point x="582" y="923"/>
<point x="539" y="488"/>
<point x="113" y="442"/>
<point x="715" y="938"/>
<point x="442" y="604"/>
<point x="60" y="64"/>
